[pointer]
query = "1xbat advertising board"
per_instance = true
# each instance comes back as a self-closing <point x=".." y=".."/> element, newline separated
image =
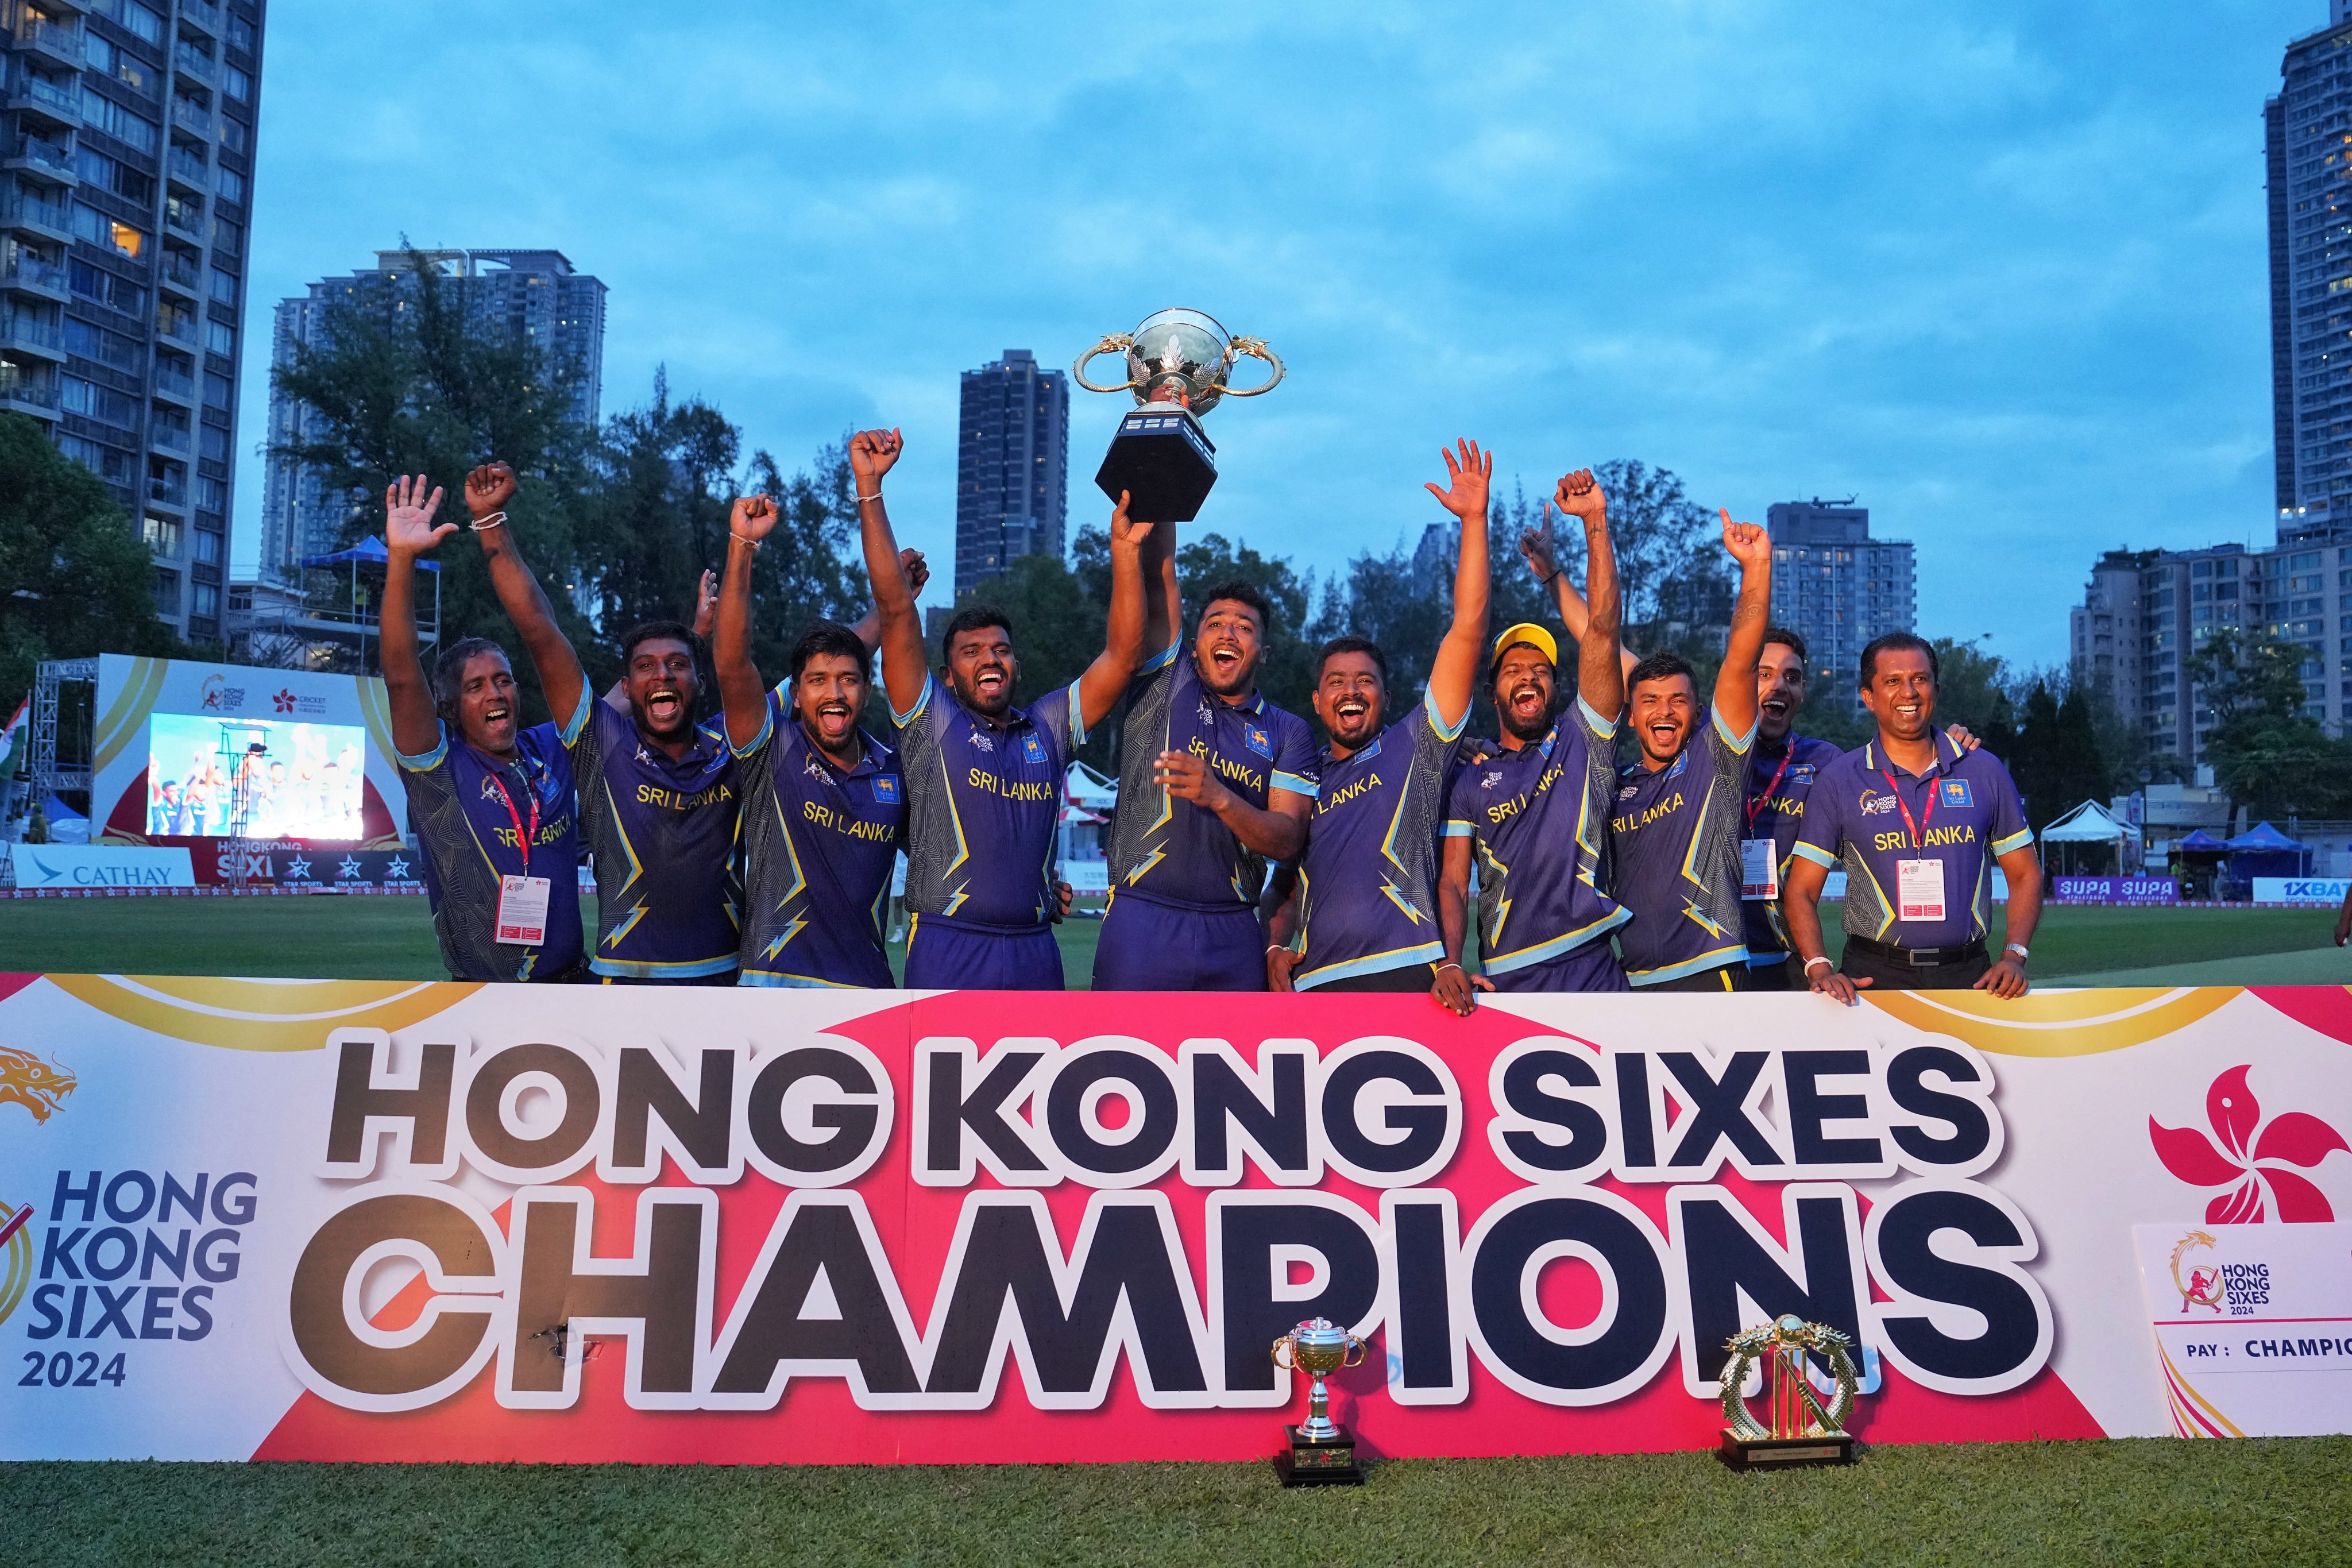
<point x="352" y="1220"/>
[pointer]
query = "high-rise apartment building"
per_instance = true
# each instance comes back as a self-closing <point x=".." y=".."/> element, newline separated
<point x="2145" y="611"/>
<point x="1834" y="585"/>
<point x="533" y="297"/>
<point x="126" y="179"/>
<point x="2309" y="154"/>
<point x="1013" y="467"/>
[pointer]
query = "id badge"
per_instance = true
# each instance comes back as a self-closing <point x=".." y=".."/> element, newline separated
<point x="522" y="909"/>
<point x="1920" y="889"/>
<point x="1759" y="869"/>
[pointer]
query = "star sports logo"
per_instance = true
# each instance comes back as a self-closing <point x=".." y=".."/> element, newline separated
<point x="2243" y="1154"/>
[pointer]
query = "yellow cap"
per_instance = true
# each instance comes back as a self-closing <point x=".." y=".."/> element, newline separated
<point x="1534" y="636"/>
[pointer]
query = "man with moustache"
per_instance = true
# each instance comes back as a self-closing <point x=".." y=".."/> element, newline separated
<point x="1781" y="774"/>
<point x="984" y="779"/>
<point x="1363" y="914"/>
<point x="1917" y="822"/>
<point x="1214" y="782"/>
<point x="658" y="796"/>
<point x="1675" y="831"/>
<point x="1535" y="816"/>
<point x="493" y="805"/>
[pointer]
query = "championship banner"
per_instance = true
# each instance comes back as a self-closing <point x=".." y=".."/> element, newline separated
<point x="363" y="1220"/>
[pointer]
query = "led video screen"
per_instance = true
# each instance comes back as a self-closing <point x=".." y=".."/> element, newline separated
<point x="285" y="779"/>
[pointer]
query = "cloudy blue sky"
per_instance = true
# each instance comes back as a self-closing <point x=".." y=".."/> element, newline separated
<point x="2000" y="269"/>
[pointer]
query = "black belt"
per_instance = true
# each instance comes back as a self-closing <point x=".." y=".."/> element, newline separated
<point x="1918" y="957"/>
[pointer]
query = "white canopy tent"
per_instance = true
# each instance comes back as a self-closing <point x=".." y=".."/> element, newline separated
<point x="2089" y="823"/>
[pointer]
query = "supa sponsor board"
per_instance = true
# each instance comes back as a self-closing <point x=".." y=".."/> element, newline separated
<point x="360" y="1220"/>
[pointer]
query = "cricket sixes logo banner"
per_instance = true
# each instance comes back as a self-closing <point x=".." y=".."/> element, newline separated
<point x="360" y="1220"/>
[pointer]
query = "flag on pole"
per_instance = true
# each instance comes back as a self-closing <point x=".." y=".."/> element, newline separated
<point x="13" y="739"/>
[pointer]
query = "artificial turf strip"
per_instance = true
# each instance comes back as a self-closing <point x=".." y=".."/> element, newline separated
<point x="2275" y="1501"/>
<point x="381" y="937"/>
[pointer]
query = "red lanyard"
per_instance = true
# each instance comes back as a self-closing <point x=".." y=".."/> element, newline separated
<point x="526" y="835"/>
<point x="1918" y="836"/>
<point x="1758" y="804"/>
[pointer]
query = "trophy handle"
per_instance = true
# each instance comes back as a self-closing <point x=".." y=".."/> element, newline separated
<point x="1118" y="343"/>
<point x="1255" y="349"/>
<point x="1356" y="1347"/>
<point x="1282" y="1345"/>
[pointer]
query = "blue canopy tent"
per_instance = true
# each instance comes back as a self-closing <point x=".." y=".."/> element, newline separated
<point x="2263" y="851"/>
<point x="2197" y="862"/>
<point x="370" y="552"/>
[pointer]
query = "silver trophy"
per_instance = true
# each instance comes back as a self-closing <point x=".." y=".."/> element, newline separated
<point x="1320" y="1452"/>
<point x="1177" y="362"/>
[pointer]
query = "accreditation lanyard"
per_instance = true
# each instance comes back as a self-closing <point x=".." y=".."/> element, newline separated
<point x="524" y="835"/>
<point x="1917" y="829"/>
<point x="1758" y="802"/>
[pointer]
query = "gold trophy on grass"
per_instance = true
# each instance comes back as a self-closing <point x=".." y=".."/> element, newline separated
<point x="1802" y="1431"/>
<point x="1320" y="1453"/>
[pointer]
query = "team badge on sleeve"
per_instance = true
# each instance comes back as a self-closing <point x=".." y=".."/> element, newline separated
<point x="1956" y="794"/>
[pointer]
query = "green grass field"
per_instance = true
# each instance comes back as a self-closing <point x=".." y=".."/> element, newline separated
<point x="2278" y="1503"/>
<point x="392" y="939"/>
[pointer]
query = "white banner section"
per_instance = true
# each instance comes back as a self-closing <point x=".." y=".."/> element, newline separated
<point x="2267" y="1307"/>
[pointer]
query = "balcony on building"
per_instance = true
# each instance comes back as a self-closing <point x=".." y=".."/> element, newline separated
<point x="193" y="61"/>
<point x="203" y="15"/>
<point x="27" y="388"/>
<point x="24" y="207"/>
<point x="175" y="381"/>
<point x="24" y="333"/>
<point x="24" y="272"/>
<point x="186" y="164"/>
<point x="43" y="97"/>
<point x="179" y="270"/>
<point x="44" y="157"/>
<point x="52" y="37"/>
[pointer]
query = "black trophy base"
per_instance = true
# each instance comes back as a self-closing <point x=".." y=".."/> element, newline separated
<point x="1784" y="1453"/>
<point x="1163" y="462"/>
<point x="1313" y="1462"/>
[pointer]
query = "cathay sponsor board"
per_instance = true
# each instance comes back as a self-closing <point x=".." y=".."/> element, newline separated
<point x="380" y="1221"/>
<point x="98" y="865"/>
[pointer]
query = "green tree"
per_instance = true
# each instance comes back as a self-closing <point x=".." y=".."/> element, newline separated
<point x="2273" y="758"/>
<point x="75" y="579"/>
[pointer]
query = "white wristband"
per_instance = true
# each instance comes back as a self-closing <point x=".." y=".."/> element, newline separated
<point x="1810" y="961"/>
<point x="496" y="519"/>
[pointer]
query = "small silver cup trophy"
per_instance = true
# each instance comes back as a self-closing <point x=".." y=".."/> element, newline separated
<point x="1320" y="1452"/>
<point x="1177" y="362"/>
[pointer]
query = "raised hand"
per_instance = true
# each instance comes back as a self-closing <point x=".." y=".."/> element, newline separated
<point x="1125" y="532"/>
<point x="408" y="517"/>
<point x="918" y="570"/>
<point x="1537" y="549"/>
<point x="1187" y="777"/>
<point x="489" y="489"/>
<point x="1749" y="545"/>
<point x="1468" y="472"/>
<point x="706" y="603"/>
<point x="752" y="518"/>
<point x="871" y="455"/>
<point x="1579" y="495"/>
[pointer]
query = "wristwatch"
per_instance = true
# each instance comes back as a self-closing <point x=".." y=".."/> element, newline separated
<point x="2016" y="947"/>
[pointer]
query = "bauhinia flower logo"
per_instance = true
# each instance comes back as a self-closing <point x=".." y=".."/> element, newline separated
<point x="2225" y="1160"/>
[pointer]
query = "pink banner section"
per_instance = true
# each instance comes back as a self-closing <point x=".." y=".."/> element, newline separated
<point x="354" y="1221"/>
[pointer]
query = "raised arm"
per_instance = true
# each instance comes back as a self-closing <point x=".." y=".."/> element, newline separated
<point x="408" y="532"/>
<point x="741" y="689"/>
<point x="872" y="454"/>
<point x="1104" y="681"/>
<point x="1455" y="672"/>
<point x="1163" y="607"/>
<point x="1601" y="660"/>
<point x="869" y="624"/>
<point x="1538" y="548"/>
<point x="561" y="678"/>
<point x="1735" y="682"/>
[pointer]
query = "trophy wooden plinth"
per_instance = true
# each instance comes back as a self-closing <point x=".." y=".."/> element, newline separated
<point x="1318" y="1462"/>
<point x="1163" y="461"/>
<point x="1784" y="1453"/>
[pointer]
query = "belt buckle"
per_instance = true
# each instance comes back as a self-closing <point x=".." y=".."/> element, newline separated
<point x="1924" y="957"/>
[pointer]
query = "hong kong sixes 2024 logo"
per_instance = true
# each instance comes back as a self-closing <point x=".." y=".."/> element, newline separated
<point x="822" y="1297"/>
<point x="2245" y="1154"/>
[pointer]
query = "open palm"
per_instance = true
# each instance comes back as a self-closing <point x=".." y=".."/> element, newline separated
<point x="408" y="516"/>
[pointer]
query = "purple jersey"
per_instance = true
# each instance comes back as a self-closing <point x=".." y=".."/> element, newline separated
<point x="818" y="844"/>
<point x="464" y="804"/>
<point x="1368" y="880"/>
<point x="1964" y="813"/>
<point x="663" y="832"/>
<point x="1674" y="842"/>
<point x="1779" y="778"/>
<point x="1538" y="822"/>
<point x="1171" y="851"/>
<point x="984" y="807"/>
